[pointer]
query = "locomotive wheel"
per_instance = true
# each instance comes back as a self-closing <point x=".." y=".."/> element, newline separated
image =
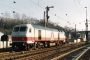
<point x="27" y="48"/>
<point x="40" y="45"/>
<point x="48" y="44"/>
<point x="35" y="45"/>
<point x="13" y="47"/>
<point x="57" y="43"/>
<point x="45" y="44"/>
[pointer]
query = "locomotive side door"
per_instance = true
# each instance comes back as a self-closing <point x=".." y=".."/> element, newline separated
<point x="39" y="34"/>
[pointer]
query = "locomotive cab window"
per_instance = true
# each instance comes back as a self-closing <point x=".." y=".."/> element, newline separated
<point x="23" y="28"/>
<point x="16" y="29"/>
<point x="30" y="30"/>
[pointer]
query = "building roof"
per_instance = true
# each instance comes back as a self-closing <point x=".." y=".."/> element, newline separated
<point x="1" y="33"/>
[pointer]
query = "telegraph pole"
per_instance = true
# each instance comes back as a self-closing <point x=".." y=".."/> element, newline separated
<point x="86" y="27"/>
<point x="47" y="9"/>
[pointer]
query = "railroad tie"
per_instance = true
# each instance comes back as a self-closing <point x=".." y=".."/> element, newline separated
<point x="6" y="58"/>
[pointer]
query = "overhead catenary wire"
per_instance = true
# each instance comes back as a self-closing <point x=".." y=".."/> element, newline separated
<point x="54" y="13"/>
<point x="39" y="6"/>
<point x="14" y="9"/>
<point x="11" y="7"/>
<point x="77" y="8"/>
<point x="25" y="8"/>
<point x="36" y="4"/>
<point x="59" y="7"/>
<point x="80" y="5"/>
<point x="50" y="12"/>
<point x="66" y="14"/>
<point x="44" y="8"/>
<point x="26" y="12"/>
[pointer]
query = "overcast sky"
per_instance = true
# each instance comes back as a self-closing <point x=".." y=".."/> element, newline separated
<point x="64" y="11"/>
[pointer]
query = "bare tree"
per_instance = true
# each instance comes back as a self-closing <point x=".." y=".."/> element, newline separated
<point x="6" y="15"/>
<point x="16" y="16"/>
<point x="28" y="19"/>
<point x="24" y="18"/>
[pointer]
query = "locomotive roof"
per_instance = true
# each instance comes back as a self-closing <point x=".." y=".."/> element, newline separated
<point x="40" y="27"/>
<point x="43" y="28"/>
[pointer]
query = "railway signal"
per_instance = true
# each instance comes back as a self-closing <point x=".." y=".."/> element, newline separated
<point x="47" y="9"/>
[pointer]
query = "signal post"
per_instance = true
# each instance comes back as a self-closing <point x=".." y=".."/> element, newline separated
<point x="47" y="17"/>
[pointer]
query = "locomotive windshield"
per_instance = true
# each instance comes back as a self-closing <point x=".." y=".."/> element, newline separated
<point x="16" y="29"/>
<point x="22" y="29"/>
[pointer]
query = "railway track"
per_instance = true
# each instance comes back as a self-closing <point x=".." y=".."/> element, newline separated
<point x="39" y="54"/>
<point x="77" y="54"/>
<point x="85" y="55"/>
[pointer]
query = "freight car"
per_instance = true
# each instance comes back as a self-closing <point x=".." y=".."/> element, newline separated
<point x="26" y="36"/>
